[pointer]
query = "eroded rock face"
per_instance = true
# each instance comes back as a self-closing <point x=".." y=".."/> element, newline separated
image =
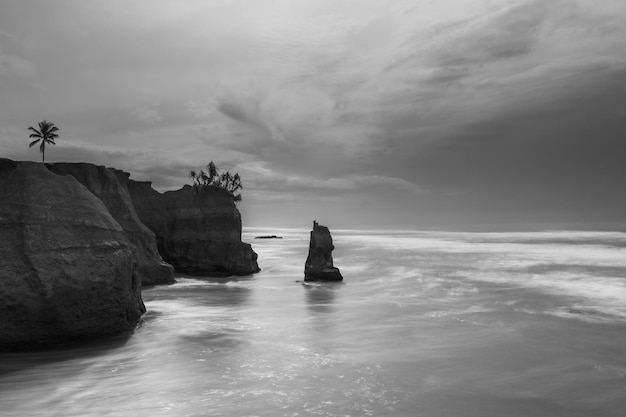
<point x="104" y="184"/>
<point x="67" y="269"/>
<point x="319" y="264"/>
<point x="197" y="232"/>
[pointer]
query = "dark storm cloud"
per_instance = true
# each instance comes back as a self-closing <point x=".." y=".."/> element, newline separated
<point x="238" y="113"/>
<point x="513" y="33"/>
<point x="561" y="160"/>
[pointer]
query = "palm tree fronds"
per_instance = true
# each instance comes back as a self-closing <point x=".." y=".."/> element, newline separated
<point x="46" y="134"/>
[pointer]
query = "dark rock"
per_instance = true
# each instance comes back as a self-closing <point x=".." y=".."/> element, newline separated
<point x="319" y="264"/>
<point x="199" y="232"/>
<point x="67" y="269"/>
<point x="268" y="237"/>
<point x="104" y="184"/>
<point x="6" y="167"/>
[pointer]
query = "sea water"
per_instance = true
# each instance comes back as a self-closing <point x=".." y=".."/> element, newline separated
<point x="425" y="324"/>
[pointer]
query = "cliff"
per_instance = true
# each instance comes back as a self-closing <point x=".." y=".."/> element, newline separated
<point x="67" y="269"/>
<point x="104" y="184"/>
<point x="319" y="263"/>
<point x="197" y="232"/>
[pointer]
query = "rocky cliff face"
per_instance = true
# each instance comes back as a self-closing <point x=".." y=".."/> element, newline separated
<point x="67" y="269"/>
<point x="104" y="184"/>
<point x="197" y="232"/>
<point x="319" y="264"/>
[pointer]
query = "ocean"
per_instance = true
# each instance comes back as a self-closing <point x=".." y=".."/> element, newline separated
<point x="433" y="324"/>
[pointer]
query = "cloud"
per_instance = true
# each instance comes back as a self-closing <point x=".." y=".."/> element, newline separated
<point x="332" y="97"/>
<point x="238" y="113"/>
<point x="146" y="113"/>
<point x="258" y="176"/>
<point x="352" y="183"/>
<point x="201" y="109"/>
<point x="15" y="65"/>
<point x="13" y="141"/>
<point x="505" y="34"/>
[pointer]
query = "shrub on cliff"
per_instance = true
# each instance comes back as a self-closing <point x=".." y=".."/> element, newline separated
<point x="212" y="178"/>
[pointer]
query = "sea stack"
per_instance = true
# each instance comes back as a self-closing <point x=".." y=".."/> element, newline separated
<point x="319" y="264"/>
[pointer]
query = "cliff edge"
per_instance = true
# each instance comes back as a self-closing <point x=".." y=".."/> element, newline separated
<point x="197" y="231"/>
<point x="104" y="184"/>
<point x="67" y="269"/>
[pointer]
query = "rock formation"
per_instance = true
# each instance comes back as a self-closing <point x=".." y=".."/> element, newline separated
<point x="104" y="184"/>
<point x="67" y="269"/>
<point x="319" y="264"/>
<point x="198" y="231"/>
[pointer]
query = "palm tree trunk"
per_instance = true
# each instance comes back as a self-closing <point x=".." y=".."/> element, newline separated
<point x="43" y="156"/>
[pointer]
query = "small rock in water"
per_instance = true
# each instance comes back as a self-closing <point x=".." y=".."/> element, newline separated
<point x="319" y="264"/>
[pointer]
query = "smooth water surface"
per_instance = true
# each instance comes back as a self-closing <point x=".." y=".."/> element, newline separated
<point x="425" y="324"/>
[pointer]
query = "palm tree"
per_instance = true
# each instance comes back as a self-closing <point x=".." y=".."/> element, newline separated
<point x="212" y="178"/>
<point x="236" y="185"/>
<point x="213" y="175"/>
<point x="46" y="134"/>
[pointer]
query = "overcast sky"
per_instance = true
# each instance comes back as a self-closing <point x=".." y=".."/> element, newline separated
<point x="358" y="113"/>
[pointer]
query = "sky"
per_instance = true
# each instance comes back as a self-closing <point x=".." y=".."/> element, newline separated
<point x="404" y="114"/>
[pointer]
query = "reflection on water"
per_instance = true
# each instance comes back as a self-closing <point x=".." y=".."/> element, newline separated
<point x="320" y="297"/>
<point x="426" y="324"/>
<point x="323" y="314"/>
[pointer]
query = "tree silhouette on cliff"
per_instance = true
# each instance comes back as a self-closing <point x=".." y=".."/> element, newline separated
<point x="46" y="135"/>
<point x="212" y="178"/>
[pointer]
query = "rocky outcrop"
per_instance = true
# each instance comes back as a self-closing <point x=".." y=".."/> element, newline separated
<point x="199" y="232"/>
<point x="67" y="269"/>
<point x="104" y="184"/>
<point x="319" y="264"/>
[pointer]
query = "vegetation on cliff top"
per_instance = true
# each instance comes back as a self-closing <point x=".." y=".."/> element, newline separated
<point x="46" y="135"/>
<point x="213" y="178"/>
